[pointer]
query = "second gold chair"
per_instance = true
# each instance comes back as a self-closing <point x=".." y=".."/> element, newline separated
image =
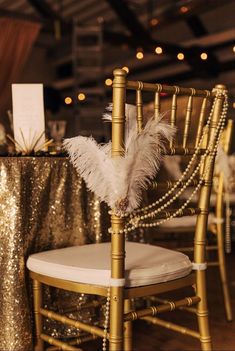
<point x="217" y="221"/>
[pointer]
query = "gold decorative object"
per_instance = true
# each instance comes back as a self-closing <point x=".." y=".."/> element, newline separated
<point x="222" y="231"/>
<point x="32" y="145"/>
<point x="219" y="224"/>
<point x="2" y="134"/>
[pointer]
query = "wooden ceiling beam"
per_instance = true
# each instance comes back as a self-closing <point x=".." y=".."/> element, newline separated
<point x="19" y="16"/>
<point x="139" y="34"/>
<point x="44" y="9"/>
<point x="142" y="37"/>
<point x="129" y="20"/>
<point x="196" y="26"/>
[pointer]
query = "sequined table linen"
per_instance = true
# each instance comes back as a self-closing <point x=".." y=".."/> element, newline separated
<point x="43" y="204"/>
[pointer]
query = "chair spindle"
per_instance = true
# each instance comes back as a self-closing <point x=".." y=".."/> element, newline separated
<point x="139" y="107"/>
<point x="201" y="121"/>
<point x="157" y="105"/>
<point x="173" y="111"/>
<point x="188" y="118"/>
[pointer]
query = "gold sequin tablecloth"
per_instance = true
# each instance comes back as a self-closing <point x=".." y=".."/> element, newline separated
<point x="44" y="204"/>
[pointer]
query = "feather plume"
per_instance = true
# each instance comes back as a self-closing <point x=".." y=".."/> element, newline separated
<point x="107" y="116"/>
<point x="130" y="114"/>
<point x="93" y="163"/>
<point x="120" y="181"/>
<point x="141" y="162"/>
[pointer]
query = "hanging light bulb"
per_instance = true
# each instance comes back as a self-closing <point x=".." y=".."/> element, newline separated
<point x="184" y="9"/>
<point x="204" y="56"/>
<point x="68" y="100"/>
<point x="180" y="56"/>
<point x="158" y="50"/>
<point x="154" y="22"/>
<point x="139" y="54"/>
<point x="81" y="96"/>
<point x="108" y="82"/>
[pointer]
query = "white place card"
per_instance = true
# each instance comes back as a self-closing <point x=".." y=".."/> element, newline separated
<point x="28" y="116"/>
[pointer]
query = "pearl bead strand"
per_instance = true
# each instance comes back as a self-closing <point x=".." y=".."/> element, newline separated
<point x="210" y="151"/>
<point x="197" y="150"/>
<point x="106" y="319"/>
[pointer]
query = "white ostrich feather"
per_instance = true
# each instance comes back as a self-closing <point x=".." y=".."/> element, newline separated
<point x="130" y="126"/>
<point x="107" y="116"/>
<point x="120" y="181"/>
<point x="93" y="163"/>
<point x="231" y="160"/>
<point x="142" y="161"/>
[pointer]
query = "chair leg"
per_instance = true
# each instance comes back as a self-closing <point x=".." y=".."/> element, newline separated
<point x="127" y="328"/>
<point x="223" y="273"/>
<point x="202" y="312"/>
<point x="37" y="296"/>
<point x="116" y="319"/>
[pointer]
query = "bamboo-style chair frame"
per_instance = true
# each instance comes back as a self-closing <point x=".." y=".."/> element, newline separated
<point x="121" y="309"/>
<point x="218" y="227"/>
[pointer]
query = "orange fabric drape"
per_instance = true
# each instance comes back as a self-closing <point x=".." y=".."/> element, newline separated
<point x="16" y="40"/>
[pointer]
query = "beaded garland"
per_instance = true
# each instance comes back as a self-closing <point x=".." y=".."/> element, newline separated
<point x="135" y="220"/>
<point x="106" y="319"/>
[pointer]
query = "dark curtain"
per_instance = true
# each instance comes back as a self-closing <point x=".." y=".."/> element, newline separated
<point x="16" y="40"/>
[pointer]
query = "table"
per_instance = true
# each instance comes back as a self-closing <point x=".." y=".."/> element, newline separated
<point x="44" y="204"/>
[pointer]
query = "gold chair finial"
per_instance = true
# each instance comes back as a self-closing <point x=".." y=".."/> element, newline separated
<point x="119" y="72"/>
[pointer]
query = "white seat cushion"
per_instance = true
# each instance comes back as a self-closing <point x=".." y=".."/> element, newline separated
<point x="90" y="264"/>
<point x="213" y="198"/>
<point x="186" y="222"/>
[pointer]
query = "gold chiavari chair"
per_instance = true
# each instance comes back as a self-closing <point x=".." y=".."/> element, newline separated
<point x="218" y="219"/>
<point x="122" y="271"/>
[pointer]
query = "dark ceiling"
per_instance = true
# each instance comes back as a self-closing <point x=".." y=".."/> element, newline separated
<point x="190" y="27"/>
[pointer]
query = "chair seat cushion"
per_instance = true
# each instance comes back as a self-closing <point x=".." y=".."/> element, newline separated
<point x="185" y="222"/>
<point x="213" y="198"/>
<point x="90" y="264"/>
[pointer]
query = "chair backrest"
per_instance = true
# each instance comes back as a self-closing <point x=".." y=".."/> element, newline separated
<point x="199" y="143"/>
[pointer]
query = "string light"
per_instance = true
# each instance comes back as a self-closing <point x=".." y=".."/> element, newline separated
<point x="180" y="56"/>
<point x="68" y="100"/>
<point x="203" y="56"/>
<point x="234" y="48"/>
<point x="139" y="55"/>
<point x="154" y="22"/>
<point x="108" y="82"/>
<point x="126" y="69"/>
<point x="158" y="50"/>
<point x="234" y="105"/>
<point x="184" y="9"/>
<point x="81" y="96"/>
